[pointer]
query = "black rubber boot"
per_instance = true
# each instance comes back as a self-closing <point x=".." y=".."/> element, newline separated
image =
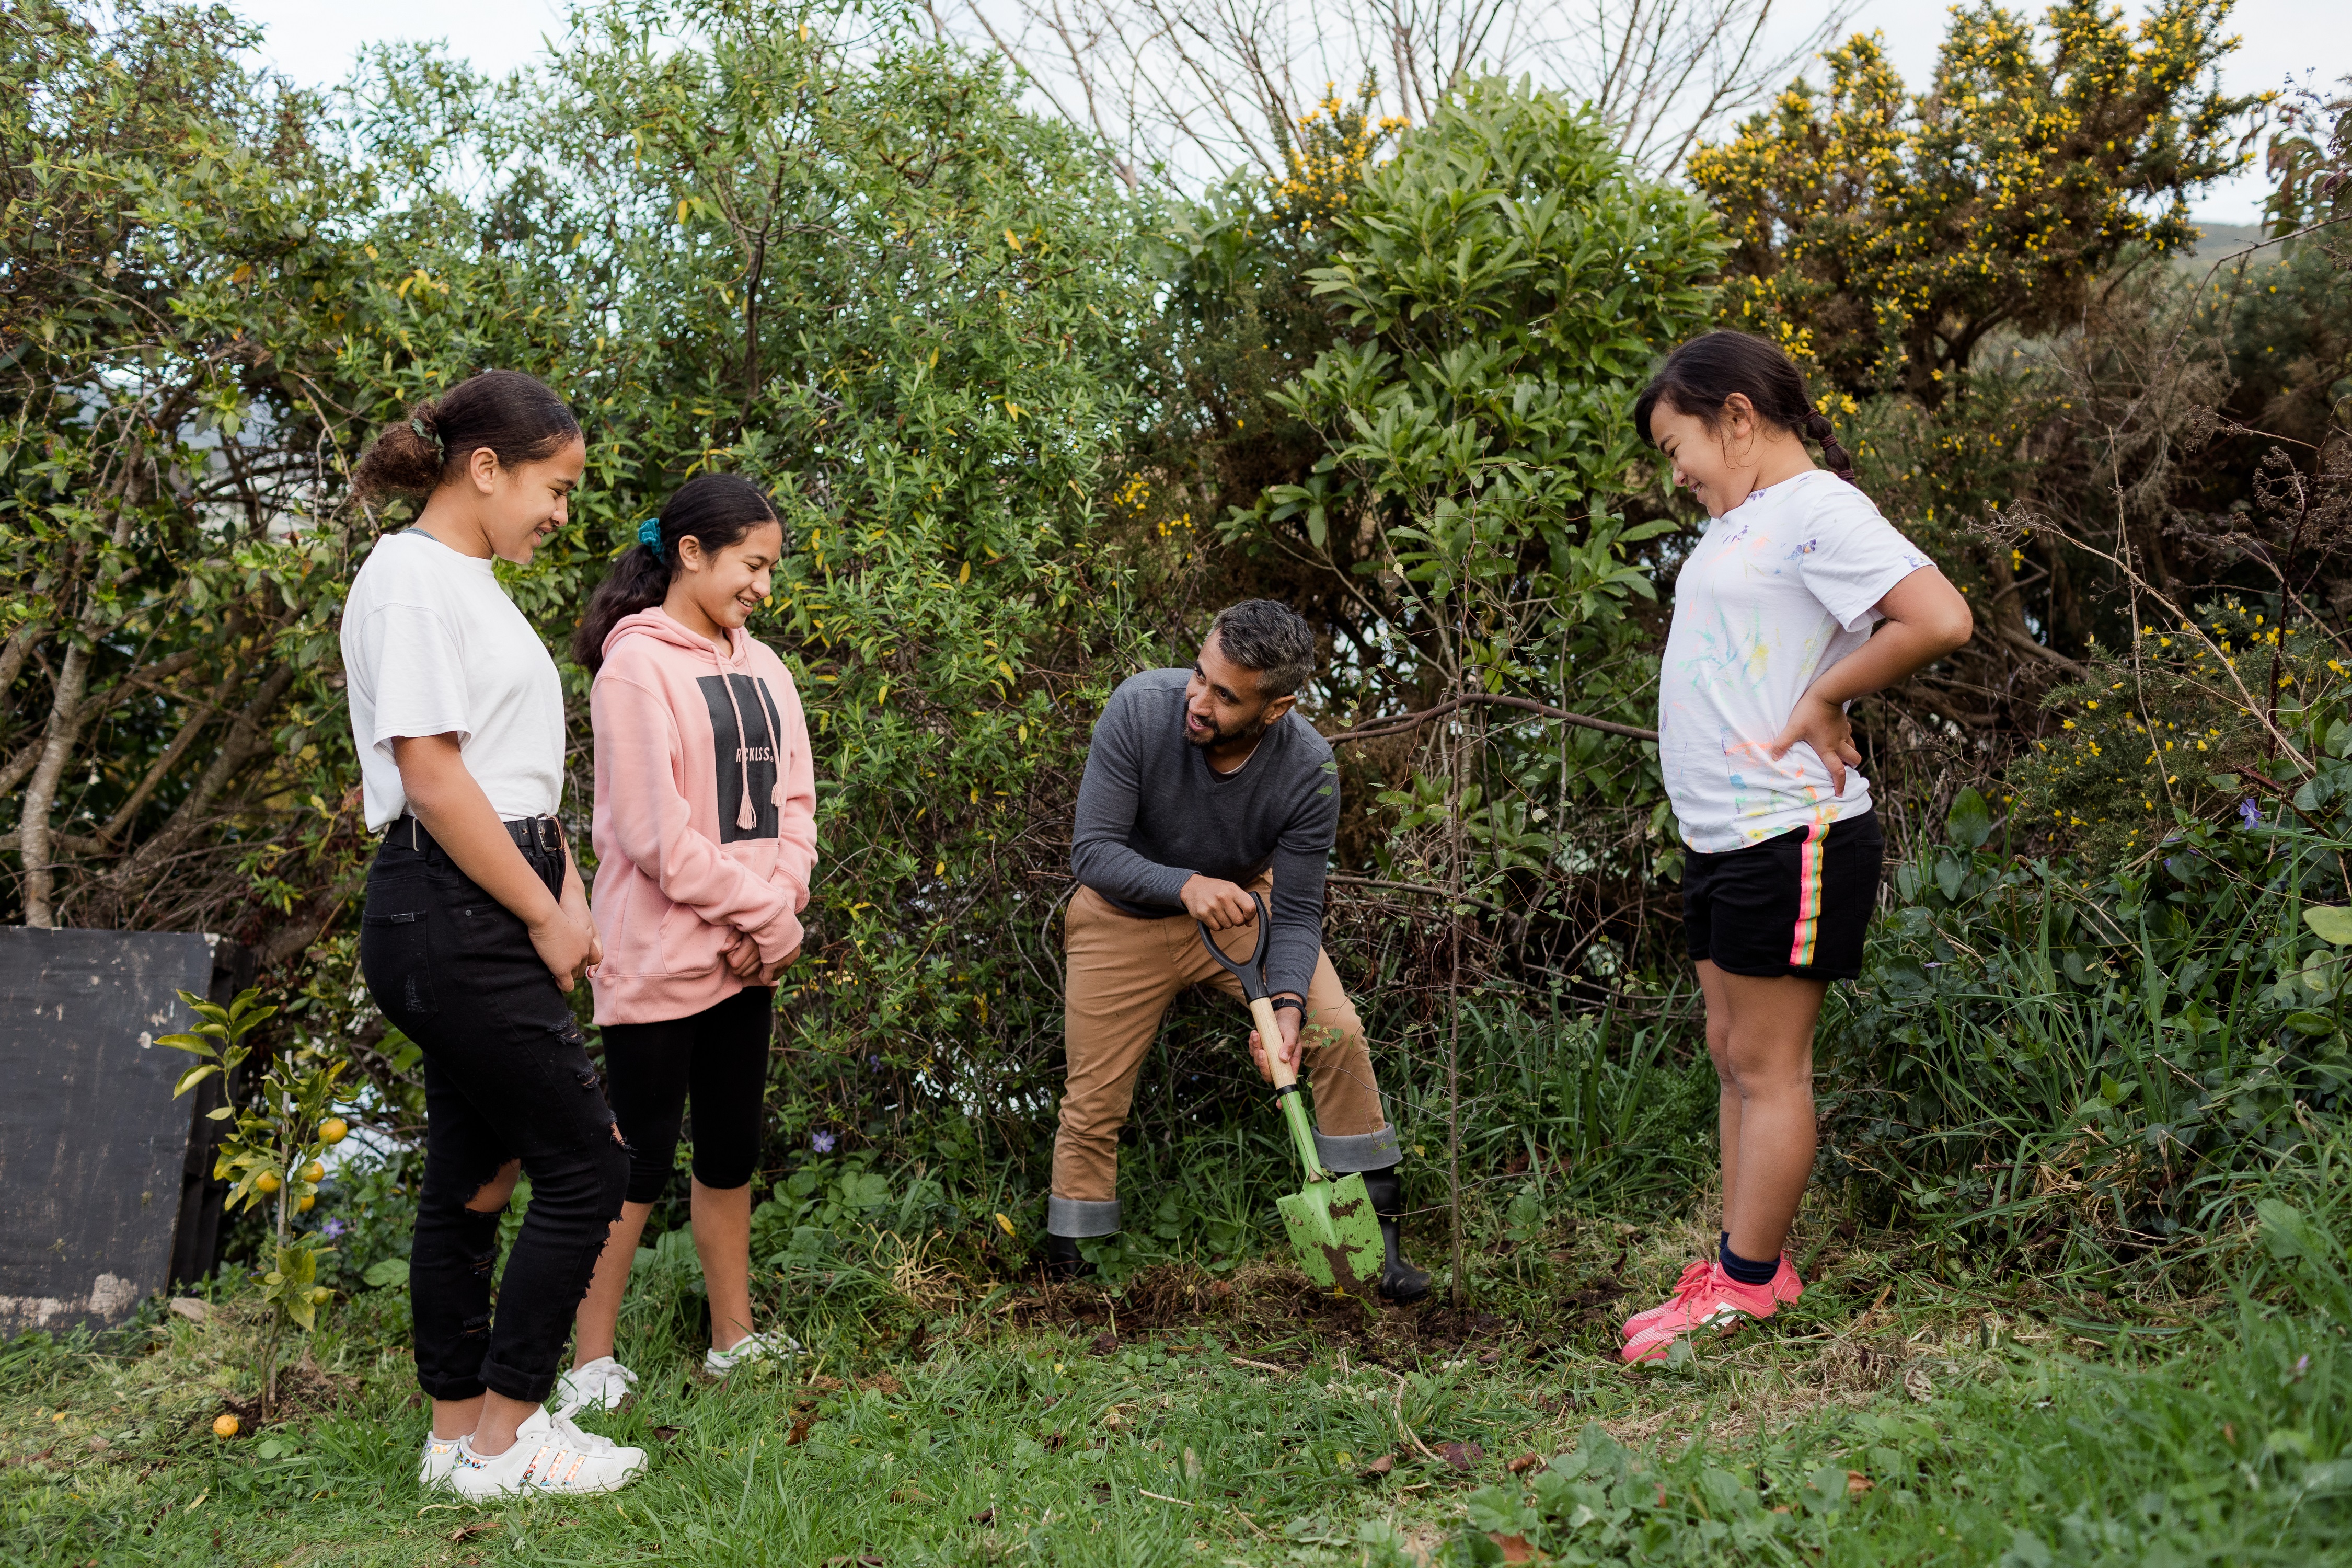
<point x="1062" y="1260"/>
<point x="1400" y="1280"/>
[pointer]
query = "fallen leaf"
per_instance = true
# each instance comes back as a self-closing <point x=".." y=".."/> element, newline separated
<point x="1490" y="1358"/>
<point x="1377" y="1469"/>
<point x="665" y="1434"/>
<point x="1463" y="1457"/>
<point x="480" y="1526"/>
<point x="1515" y="1547"/>
<point x="1052" y="1441"/>
<point x="798" y="1435"/>
<point x="1105" y="1345"/>
<point x="1856" y="1483"/>
<point x="195" y="1308"/>
<point x="985" y="1516"/>
<point x="1523" y="1464"/>
<point x="1915" y="1384"/>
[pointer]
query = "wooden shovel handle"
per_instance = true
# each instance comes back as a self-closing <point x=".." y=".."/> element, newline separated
<point x="1269" y="1034"/>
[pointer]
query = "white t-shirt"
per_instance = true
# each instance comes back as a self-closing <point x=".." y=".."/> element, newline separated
<point x="431" y="644"/>
<point x="1780" y="588"/>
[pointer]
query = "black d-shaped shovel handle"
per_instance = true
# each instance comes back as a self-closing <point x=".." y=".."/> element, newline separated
<point x="1252" y="975"/>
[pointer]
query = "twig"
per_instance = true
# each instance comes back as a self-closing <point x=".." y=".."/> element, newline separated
<point x="1378" y="729"/>
<point x="1397" y="1408"/>
<point x="1425" y="891"/>
<point x="1155" y="1497"/>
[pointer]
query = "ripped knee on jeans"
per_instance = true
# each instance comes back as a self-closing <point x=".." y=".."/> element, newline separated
<point x="493" y="1193"/>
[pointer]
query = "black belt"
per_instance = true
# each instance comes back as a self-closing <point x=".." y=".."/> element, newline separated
<point x="540" y="833"/>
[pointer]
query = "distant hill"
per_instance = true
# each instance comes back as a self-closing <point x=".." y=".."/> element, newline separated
<point x="2216" y="241"/>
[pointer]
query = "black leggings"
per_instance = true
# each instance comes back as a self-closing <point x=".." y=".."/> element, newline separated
<point x="507" y="1077"/>
<point x="721" y="1056"/>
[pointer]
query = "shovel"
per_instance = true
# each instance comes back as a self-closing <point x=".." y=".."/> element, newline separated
<point x="1332" y="1227"/>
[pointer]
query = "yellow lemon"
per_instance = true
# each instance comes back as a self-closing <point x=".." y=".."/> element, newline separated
<point x="314" y="1172"/>
<point x="333" y="1130"/>
<point x="266" y="1181"/>
<point x="224" y="1426"/>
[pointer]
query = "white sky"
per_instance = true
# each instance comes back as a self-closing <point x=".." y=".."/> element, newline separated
<point x="313" y="41"/>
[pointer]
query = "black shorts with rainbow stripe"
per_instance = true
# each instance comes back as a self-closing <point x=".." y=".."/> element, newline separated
<point x="1796" y="904"/>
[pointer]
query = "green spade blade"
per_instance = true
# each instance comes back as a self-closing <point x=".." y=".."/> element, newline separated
<point x="1334" y="1234"/>
<point x="1333" y="1230"/>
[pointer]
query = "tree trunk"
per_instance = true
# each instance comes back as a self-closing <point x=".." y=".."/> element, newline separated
<point x="57" y="750"/>
<point x="12" y="661"/>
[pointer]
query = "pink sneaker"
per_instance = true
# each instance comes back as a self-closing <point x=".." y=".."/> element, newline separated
<point x="1693" y="1275"/>
<point x="1786" y="1288"/>
<point x="1718" y="1302"/>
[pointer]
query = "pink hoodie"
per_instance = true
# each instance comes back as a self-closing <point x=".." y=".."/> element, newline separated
<point x="705" y="815"/>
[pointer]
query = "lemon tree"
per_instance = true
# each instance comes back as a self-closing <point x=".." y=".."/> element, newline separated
<point x="271" y="1148"/>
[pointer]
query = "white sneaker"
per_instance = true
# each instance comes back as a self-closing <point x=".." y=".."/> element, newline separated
<point x="441" y="1453"/>
<point x="440" y="1458"/>
<point x="718" y="1363"/>
<point x="573" y="1436"/>
<point x="603" y="1384"/>
<point x="544" y="1458"/>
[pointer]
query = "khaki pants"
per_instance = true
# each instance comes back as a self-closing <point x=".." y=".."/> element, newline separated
<point x="1121" y="975"/>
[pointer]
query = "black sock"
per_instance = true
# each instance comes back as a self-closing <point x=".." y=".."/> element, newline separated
<point x="1723" y="1244"/>
<point x="1744" y="1270"/>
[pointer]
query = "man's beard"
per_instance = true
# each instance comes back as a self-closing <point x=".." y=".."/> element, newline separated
<point x="1249" y="732"/>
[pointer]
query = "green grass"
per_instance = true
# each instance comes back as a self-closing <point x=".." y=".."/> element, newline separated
<point x="1074" y="1427"/>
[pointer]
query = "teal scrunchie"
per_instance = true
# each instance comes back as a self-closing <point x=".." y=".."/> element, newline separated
<point x="649" y="533"/>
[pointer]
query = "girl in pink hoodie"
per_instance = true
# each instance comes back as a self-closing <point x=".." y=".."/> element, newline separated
<point x="706" y="833"/>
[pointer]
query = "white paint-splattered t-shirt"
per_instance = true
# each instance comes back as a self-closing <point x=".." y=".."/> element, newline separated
<point x="1779" y="588"/>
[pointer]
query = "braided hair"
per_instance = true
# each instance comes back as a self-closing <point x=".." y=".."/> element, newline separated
<point x="1699" y="378"/>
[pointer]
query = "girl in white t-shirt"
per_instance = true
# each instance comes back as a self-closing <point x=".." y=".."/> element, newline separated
<point x="476" y="926"/>
<point x="1798" y="598"/>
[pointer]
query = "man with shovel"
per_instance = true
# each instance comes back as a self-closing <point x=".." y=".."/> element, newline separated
<point x="1204" y="787"/>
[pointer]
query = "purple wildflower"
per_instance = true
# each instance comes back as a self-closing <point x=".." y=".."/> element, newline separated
<point x="820" y="1142"/>
<point x="333" y="1228"/>
<point x="2249" y="813"/>
<point x="873" y="1062"/>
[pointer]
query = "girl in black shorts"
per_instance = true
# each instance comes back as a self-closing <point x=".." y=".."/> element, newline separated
<point x="1798" y="598"/>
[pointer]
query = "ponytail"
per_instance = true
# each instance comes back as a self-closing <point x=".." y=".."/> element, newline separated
<point x="1818" y="428"/>
<point x="1699" y="378"/>
<point x="714" y="510"/>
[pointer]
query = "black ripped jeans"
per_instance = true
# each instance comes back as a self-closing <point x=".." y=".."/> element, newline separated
<point x="507" y="1077"/>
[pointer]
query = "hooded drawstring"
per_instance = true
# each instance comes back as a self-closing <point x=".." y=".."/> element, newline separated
<point x="745" y="817"/>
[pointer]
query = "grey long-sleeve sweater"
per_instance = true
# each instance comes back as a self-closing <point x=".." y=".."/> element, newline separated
<point x="1152" y="813"/>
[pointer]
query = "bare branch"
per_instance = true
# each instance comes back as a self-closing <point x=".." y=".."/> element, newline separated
<point x="1203" y="87"/>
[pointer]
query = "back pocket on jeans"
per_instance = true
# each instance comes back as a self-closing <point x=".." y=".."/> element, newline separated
<point x="396" y="957"/>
